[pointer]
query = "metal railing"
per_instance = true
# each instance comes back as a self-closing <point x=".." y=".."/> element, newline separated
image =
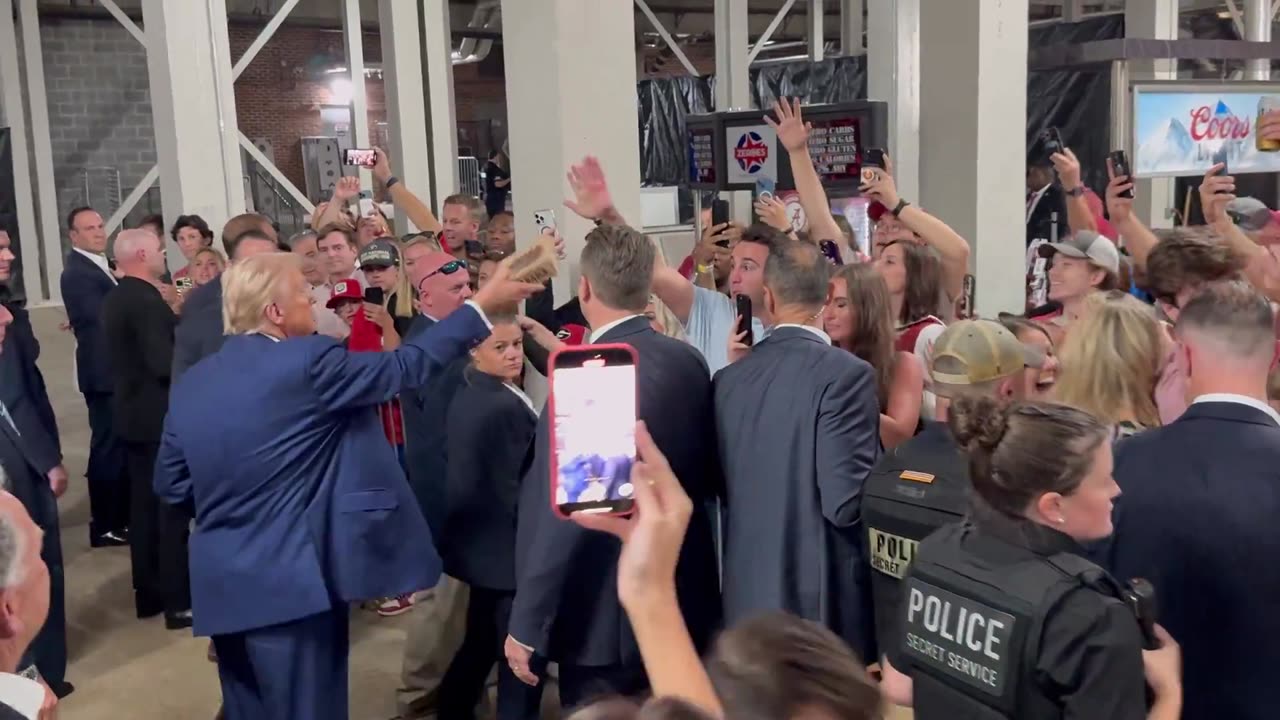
<point x="272" y="200"/>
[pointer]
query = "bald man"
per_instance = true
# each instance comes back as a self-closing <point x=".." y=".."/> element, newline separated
<point x="200" y="331"/>
<point x="138" y="327"/>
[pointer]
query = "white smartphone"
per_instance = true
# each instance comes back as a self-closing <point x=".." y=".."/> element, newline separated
<point x="546" y="221"/>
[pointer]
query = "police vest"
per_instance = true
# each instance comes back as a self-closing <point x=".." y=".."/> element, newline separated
<point x="911" y="492"/>
<point x="972" y="631"/>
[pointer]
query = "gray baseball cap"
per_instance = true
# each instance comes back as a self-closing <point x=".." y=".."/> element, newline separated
<point x="1251" y="214"/>
<point x="1087" y="245"/>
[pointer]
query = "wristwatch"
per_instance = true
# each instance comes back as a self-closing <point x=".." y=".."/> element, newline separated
<point x="391" y="181"/>
<point x="897" y="209"/>
<point x="1076" y="191"/>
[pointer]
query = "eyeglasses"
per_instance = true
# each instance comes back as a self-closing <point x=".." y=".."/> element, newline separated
<point x="448" y="268"/>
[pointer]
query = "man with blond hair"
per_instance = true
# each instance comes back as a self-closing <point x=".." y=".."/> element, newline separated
<point x="300" y="504"/>
<point x="138" y="327"/>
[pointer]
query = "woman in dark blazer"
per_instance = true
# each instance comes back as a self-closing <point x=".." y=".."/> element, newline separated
<point x="491" y="426"/>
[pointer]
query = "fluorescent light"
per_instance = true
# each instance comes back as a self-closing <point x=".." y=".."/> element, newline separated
<point x="335" y="70"/>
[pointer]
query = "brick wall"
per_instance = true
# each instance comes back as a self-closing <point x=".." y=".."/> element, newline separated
<point x="99" y="108"/>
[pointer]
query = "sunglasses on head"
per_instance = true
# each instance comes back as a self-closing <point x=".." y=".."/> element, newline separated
<point x="448" y="268"/>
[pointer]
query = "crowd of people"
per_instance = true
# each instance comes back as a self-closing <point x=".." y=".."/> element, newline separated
<point x="866" y="495"/>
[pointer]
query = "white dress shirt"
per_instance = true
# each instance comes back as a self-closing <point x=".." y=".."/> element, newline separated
<point x="100" y="261"/>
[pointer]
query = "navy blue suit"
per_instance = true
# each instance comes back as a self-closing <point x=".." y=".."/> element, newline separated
<point x="199" y="333"/>
<point x="300" y="505"/>
<point x="566" y="604"/>
<point x="84" y="288"/>
<point x="1198" y="518"/>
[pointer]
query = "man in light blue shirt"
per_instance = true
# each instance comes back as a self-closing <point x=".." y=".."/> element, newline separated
<point x="709" y="317"/>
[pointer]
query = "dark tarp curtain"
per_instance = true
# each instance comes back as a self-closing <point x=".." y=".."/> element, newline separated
<point x="1077" y="102"/>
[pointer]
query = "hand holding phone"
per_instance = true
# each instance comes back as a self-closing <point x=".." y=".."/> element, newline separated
<point x="719" y="212"/>
<point x="872" y="164"/>
<point x="592" y="402"/>
<point x="745" y="320"/>
<point x="374" y="295"/>
<point x="546" y="221"/>
<point x="1120" y="169"/>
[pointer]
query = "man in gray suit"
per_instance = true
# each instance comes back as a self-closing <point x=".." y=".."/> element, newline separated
<point x="798" y="427"/>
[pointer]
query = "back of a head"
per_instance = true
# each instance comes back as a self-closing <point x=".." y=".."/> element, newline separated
<point x="1189" y="258"/>
<point x="1111" y="360"/>
<point x="798" y="275"/>
<point x="1231" y="323"/>
<point x="1020" y="451"/>
<point x="776" y="666"/>
<point x="237" y="226"/>
<point x="972" y="357"/>
<point x="249" y="286"/>
<point x="618" y="262"/>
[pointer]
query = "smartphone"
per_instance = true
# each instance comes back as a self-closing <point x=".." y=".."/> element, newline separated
<point x="373" y="295"/>
<point x="366" y="207"/>
<point x="592" y="401"/>
<point x="546" y="221"/>
<point x="473" y="248"/>
<point x="1051" y="141"/>
<point x="359" y="157"/>
<point x="831" y="250"/>
<point x="1120" y="168"/>
<point x="744" y="319"/>
<point x="872" y="164"/>
<point x="183" y="284"/>
<point x="1220" y="157"/>
<point x="765" y="187"/>
<point x="719" y="212"/>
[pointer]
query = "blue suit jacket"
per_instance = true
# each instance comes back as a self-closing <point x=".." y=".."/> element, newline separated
<point x="84" y="287"/>
<point x="299" y="500"/>
<point x="23" y="391"/>
<point x="199" y="331"/>
<point x="1198" y="518"/>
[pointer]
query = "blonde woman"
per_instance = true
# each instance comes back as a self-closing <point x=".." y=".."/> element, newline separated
<point x="1110" y="366"/>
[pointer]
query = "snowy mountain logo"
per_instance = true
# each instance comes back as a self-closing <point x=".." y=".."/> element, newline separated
<point x="1170" y="145"/>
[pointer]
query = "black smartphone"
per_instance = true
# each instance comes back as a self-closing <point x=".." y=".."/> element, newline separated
<point x="872" y="164"/>
<point x="359" y="157"/>
<point x="831" y="250"/>
<point x="1220" y="158"/>
<point x="592" y="401"/>
<point x="1141" y="598"/>
<point x="1120" y="168"/>
<point x="373" y="295"/>
<point x="744" y="319"/>
<point x="719" y="212"/>
<point x="1051" y="142"/>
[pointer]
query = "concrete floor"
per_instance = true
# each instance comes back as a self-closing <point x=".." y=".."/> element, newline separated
<point x="125" y="667"/>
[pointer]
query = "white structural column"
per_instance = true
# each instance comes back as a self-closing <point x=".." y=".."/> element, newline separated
<point x="197" y="143"/>
<point x="893" y="76"/>
<point x="733" y="78"/>
<point x="1257" y="27"/>
<point x="816" y="25"/>
<point x="1158" y="20"/>
<point x="852" y="27"/>
<point x="13" y="114"/>
<point x="973" y="136"/>
<point x="353" y="36"/>
<point x="571" y="74"/>
<point x="406" y="106"/>
<point x="437" y="60"/>
<point x="50" y="235"/>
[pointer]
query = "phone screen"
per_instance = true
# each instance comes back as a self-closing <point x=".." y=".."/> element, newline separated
<point x="744" y="319"/>
<point x="594" y="396"/>
<point x="362" y="157"/>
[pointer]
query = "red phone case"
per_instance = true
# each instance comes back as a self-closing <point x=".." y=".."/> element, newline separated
<point x="551" y="408"/>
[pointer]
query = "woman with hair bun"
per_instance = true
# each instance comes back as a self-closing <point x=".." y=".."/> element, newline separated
<point x="1002" y="616"/>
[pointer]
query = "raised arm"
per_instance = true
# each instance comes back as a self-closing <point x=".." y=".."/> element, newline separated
<point x="1138" y="238"/>
<point x="403" y="197"/>
<point x="345" y="190"/>
<point x="1079" y="216"/>
<point x="1216" y="191"/>
<point x="793" y="133"/>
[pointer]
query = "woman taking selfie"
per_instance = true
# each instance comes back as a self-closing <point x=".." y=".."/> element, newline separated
<point x="1004" y="617"/>
<point x="491" y="424"/>
<point x="860" y="320"/>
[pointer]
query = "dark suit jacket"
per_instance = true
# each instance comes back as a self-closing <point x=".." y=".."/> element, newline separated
<point x="199" y="331"/>
<point x="84" y="287"/>
<point x="490" y="433"/>
<point x="138" y="326"/>
<point x="425" y="411"/>
<point x="299" y="501"/>
<point x="1198" y="518"/>
<point x="24" y="393"/>
<point x="798" y="424"/>
<point x="566" y="602"/>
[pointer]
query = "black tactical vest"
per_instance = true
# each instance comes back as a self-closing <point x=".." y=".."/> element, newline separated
<point x="972" y="629"/>
<point x="911" y="492"/>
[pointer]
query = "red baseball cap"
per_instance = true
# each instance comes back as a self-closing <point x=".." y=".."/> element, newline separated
<point x="345" y="290"/>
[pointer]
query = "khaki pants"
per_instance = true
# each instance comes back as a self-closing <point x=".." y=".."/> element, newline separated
<point x="439" y="622"/>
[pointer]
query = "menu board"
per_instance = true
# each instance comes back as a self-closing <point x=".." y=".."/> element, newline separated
<point x="835" y="145"/>
<point x="702" y="163"/>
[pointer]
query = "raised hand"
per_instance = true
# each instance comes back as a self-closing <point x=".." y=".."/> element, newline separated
<point x="1215" y="192"/>
<point x="591" y="198"/>
<point x="773" y="212"/>
<point x="792" y="130"/>
<point x="346" y="189"/>
<point x="1068" y="168"/>
<point x="1119" y="207"/>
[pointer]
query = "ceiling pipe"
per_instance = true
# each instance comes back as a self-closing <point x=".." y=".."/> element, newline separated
<point x="486" y="16"/>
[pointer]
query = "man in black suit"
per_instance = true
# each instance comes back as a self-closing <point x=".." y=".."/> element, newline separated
<point x="798" y="424"/>
<point x="199" y="333"/>
<point x="1197" y="515"/>
<point x="138" y="326"/>
<point x="566" y="608"/>
<point x="86" y="279"/>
